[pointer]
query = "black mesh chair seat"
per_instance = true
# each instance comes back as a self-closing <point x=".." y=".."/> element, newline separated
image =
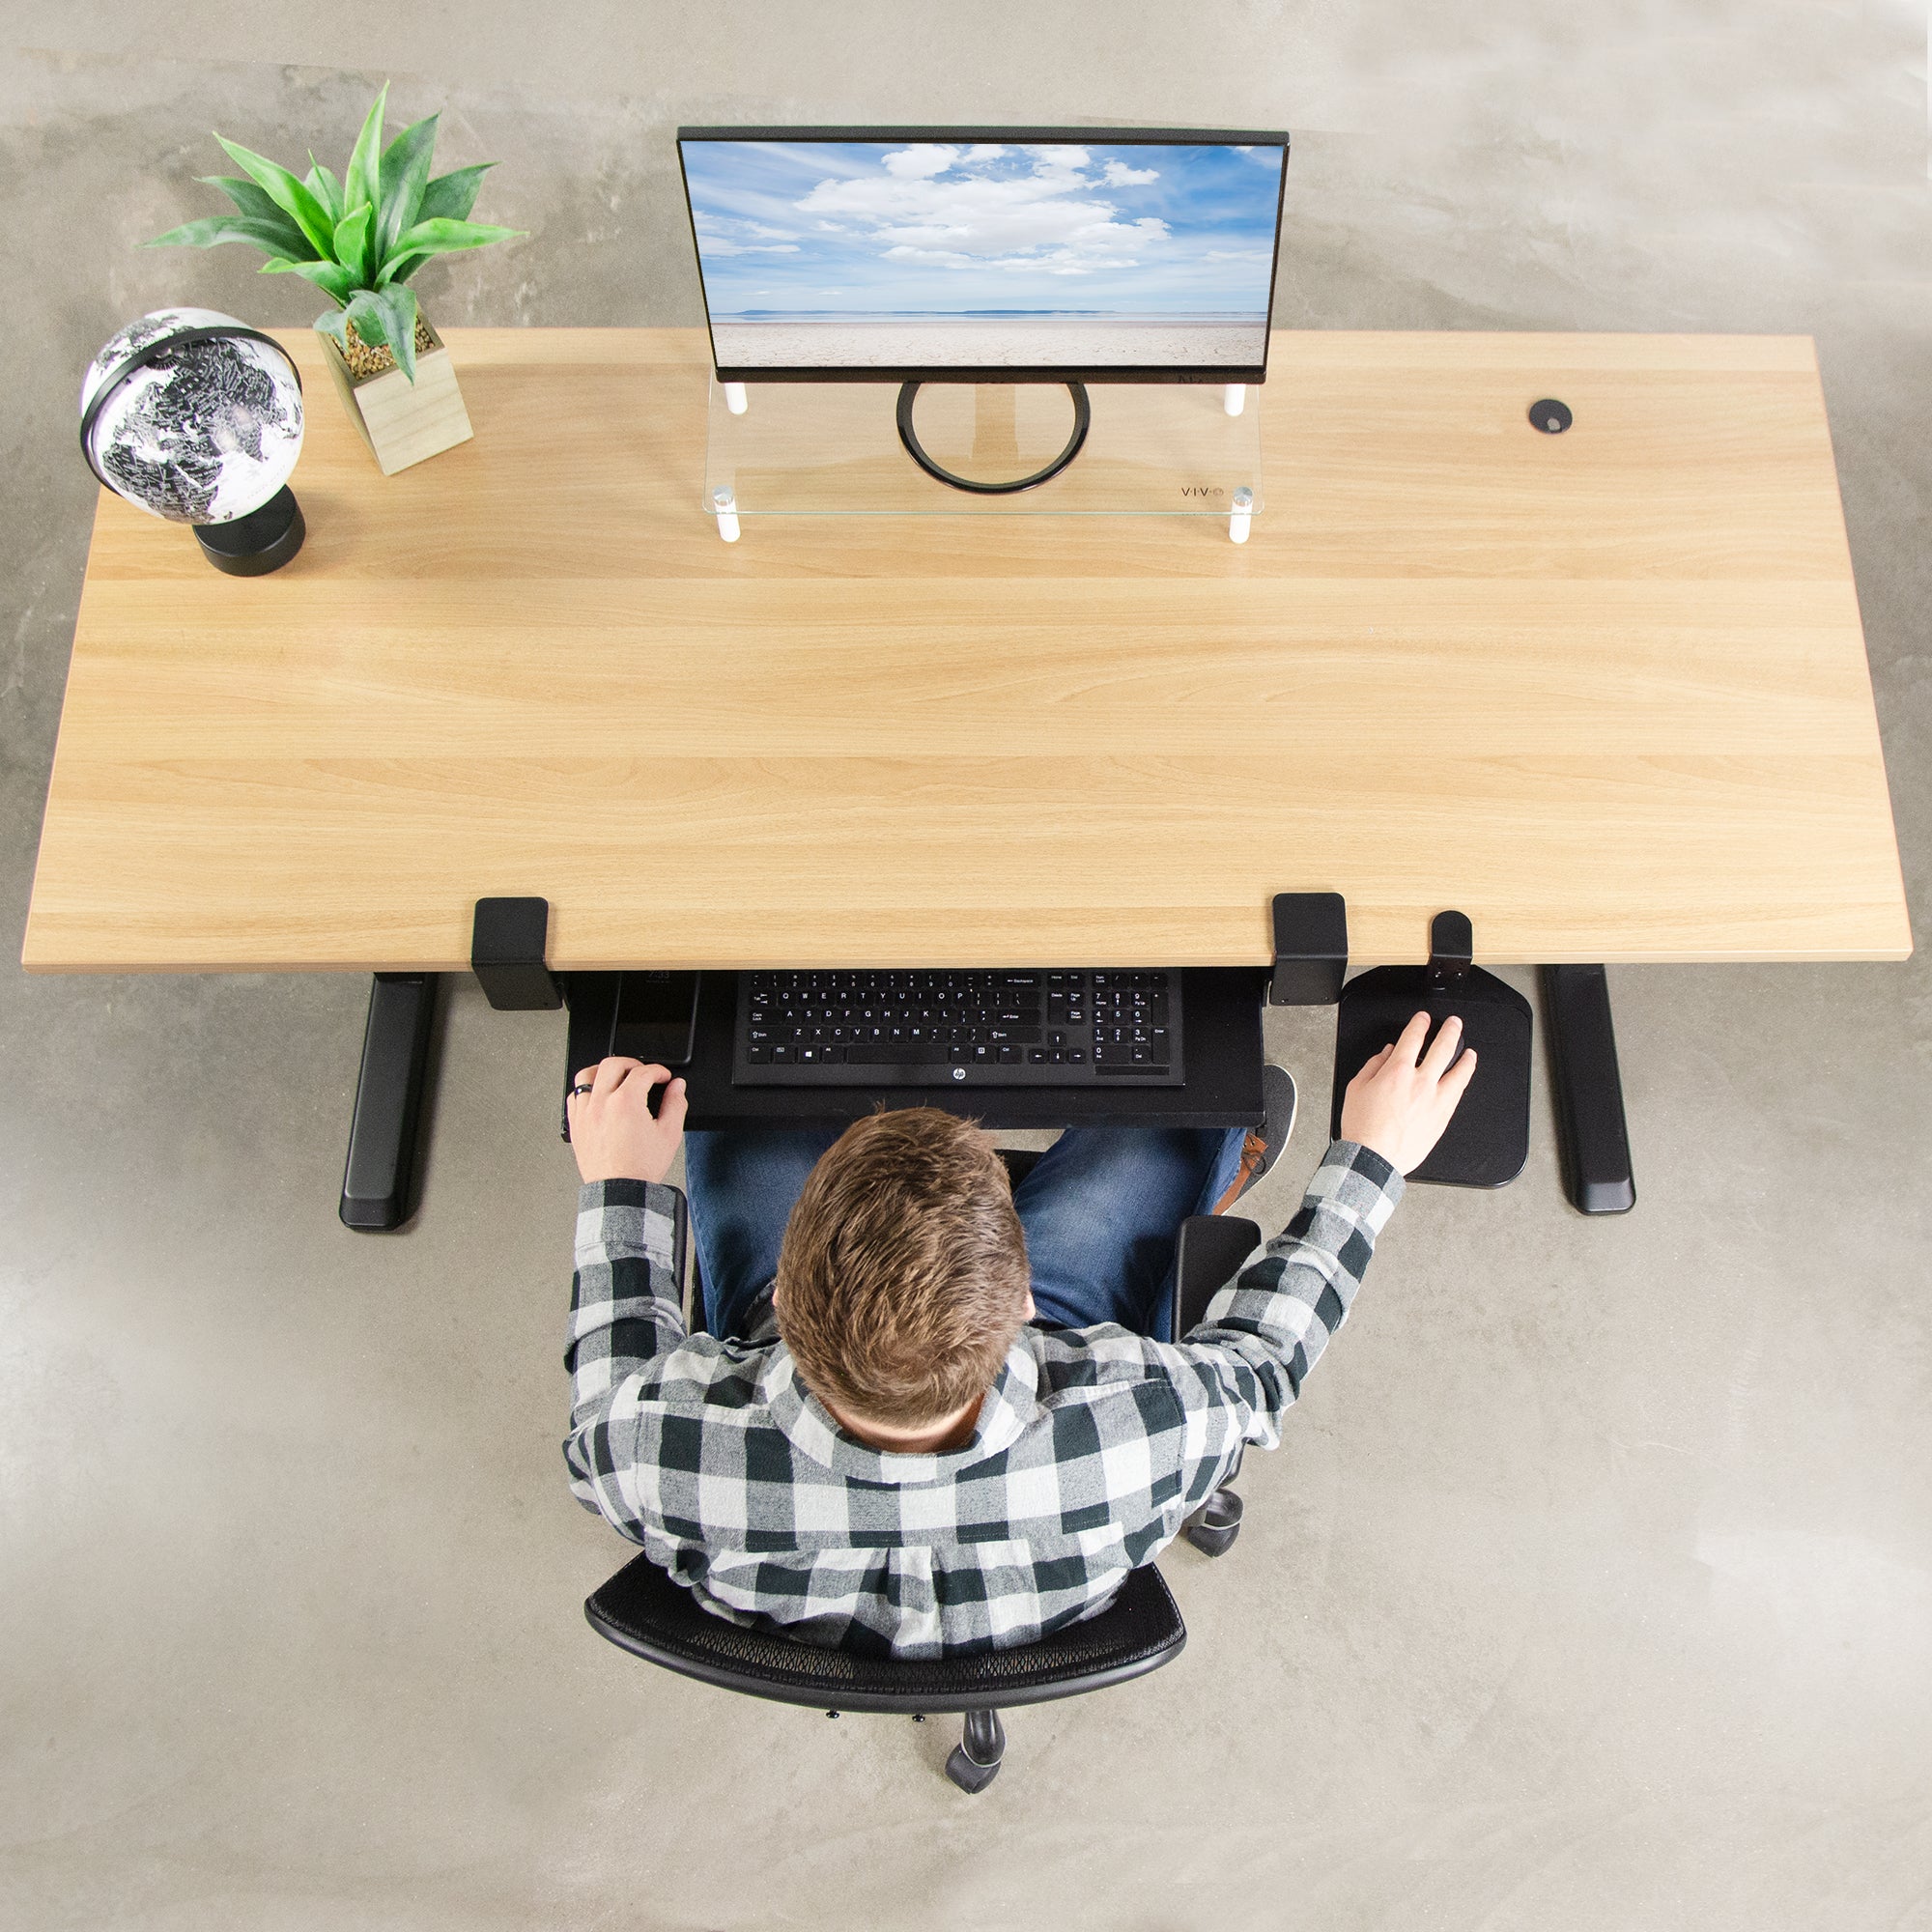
<point x="646" y="1611"/>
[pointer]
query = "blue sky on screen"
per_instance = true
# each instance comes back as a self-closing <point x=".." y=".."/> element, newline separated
<point x="860" y="226"/>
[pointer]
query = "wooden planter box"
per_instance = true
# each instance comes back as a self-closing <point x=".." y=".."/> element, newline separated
<point x="404" y="422"/>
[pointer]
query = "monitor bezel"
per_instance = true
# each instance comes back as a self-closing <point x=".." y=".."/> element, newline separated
<point x="1112" y="137"/>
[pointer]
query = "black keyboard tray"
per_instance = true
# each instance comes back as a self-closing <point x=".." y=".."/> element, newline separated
<point x="1222" y="1016"/>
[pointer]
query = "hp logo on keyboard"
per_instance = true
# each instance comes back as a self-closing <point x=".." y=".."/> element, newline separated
<point x="959" y="1073"/>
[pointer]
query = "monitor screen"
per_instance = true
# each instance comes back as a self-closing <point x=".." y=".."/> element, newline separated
<point x="985" y="255"/>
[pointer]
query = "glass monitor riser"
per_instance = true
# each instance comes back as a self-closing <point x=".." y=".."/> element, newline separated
<point x="1001" y="448"/>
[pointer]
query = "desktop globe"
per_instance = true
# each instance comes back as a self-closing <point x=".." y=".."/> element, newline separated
<point x="197" y="429"/>
<point x="197" y="418"/>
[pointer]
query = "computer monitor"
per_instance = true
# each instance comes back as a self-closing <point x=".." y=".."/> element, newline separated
<point x="985" y="254"/>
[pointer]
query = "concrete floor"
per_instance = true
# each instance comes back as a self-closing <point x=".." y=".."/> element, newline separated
<point x="1593" y="1587"/>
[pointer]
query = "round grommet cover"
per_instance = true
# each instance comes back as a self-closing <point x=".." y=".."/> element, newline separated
<point x="1550" y="416"/>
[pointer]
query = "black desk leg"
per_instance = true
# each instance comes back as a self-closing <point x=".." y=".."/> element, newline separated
<point x="378" y="1182"/>
<point x="1591" y="1131"/>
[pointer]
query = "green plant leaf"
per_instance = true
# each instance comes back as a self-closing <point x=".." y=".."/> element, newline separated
<point x="404" y="175"/>
<point x="288" y="194"/>
<point x="325" y="188"/>
<point x="450" y="197"/>
<point x="250" y="200"/>
<point x="369" y="318"/>
<point x="387" y="318"/>
<point x="364" y="180"/>
<point x="333" y="322"/>
<point x="447" y="198"/>
<point x="330" y="277"/>
<point x="442" y="237"/>
<point x="352" y="243"/>
<point x="279" y="240"/>
<point x="401" y="304"/>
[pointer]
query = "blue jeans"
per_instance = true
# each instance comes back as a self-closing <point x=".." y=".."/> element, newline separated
<point x="1101" y="1210"/>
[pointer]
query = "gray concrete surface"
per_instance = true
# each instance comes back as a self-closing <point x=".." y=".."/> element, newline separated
<point x="1593" y="1586"/>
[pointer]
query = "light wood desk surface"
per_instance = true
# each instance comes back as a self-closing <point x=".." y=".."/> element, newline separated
<point x="1605" y="692"/>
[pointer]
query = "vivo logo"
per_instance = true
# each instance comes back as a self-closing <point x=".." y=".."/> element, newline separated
<point x="1201" y="490"/>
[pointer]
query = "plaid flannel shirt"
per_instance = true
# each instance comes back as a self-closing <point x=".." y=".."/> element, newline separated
<point x="1091" y="1447"/>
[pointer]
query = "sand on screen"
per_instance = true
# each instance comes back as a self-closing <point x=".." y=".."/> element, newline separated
<point x="939" y="343"/>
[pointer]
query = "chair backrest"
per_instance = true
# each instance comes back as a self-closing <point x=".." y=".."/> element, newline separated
<point x="646" y="1611"/>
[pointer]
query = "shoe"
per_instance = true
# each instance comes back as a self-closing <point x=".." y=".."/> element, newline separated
<point x="1264" y="1145"/>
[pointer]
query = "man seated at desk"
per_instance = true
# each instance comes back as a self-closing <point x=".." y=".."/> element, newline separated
<point x="933" y="1421"/>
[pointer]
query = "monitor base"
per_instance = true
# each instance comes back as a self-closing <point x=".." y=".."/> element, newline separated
<point x="829" y="450"/>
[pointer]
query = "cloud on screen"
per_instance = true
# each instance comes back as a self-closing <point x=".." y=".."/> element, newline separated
<point x="948" y="208"/>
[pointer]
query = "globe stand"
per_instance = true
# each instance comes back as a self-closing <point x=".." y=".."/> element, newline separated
<point x="262" y="541"/>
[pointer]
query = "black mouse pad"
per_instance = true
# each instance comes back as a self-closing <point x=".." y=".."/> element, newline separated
<point x="1487" y="1141"/>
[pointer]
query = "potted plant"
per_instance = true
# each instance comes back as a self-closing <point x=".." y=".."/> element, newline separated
<point x="359" y="240"/>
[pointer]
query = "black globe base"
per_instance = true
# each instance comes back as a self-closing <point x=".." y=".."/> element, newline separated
<point x="262" y="541"/>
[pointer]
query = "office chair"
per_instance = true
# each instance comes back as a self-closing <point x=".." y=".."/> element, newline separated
<point x="644" y="1610"/>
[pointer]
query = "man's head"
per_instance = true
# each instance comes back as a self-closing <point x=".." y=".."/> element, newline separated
<point x="903" y="1276"/>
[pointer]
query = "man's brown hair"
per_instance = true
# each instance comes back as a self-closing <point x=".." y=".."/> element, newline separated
<point x="902" y="1279"/>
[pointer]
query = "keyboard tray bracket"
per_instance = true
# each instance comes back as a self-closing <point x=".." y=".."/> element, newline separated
<point x="507" y="941"/>
<point x="1311" y="950"/>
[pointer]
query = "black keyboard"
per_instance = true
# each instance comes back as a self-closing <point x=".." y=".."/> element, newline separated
<point x="932" y="1029"/>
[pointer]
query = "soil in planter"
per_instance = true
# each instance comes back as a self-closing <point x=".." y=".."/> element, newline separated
<point x="366" y="362"/>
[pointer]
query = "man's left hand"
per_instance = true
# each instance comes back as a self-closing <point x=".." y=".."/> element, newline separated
<point x="612" y="1130"/>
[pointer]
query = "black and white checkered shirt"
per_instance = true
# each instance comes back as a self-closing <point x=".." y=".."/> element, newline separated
<point x="1091" y="1447"/>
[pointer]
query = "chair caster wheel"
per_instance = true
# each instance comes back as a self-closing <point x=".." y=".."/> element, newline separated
<point x="968" y="1775"/>
<point x="1211" y="1542"/>
<point x="1213" y="1527"/>
<point x="975" y="1762"/>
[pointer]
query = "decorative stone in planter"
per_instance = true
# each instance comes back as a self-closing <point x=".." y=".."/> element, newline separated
<point x="402" y="422"/>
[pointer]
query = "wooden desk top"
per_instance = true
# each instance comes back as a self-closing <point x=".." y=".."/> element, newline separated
<point x="1607" y="691"/>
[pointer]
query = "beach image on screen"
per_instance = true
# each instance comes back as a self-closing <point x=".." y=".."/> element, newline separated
<point x="962" y="255"/>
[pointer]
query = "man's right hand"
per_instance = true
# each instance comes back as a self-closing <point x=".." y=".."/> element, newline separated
<point x="1397" y="1106"/>
<point x="613" y="1133"/>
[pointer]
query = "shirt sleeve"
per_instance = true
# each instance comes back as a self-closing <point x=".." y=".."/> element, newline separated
<point x="626" y="1315"/>
<point x="1241" y="1369"/>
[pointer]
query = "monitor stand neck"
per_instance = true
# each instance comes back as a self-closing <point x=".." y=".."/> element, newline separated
<point x="988" y="433"/>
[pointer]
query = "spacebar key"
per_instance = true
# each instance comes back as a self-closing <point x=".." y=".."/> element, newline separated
<point x="894" y="1056"/>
